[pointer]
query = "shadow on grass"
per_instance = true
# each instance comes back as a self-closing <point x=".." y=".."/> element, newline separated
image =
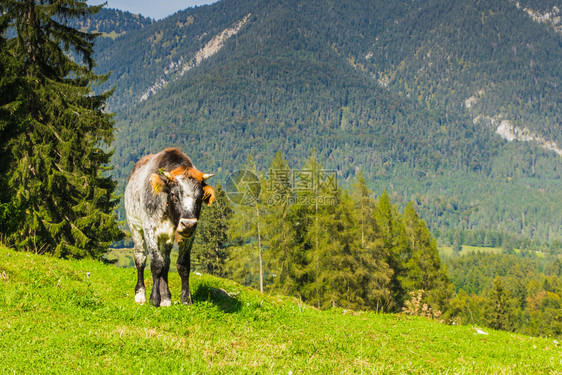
<point x="225" y="301"/>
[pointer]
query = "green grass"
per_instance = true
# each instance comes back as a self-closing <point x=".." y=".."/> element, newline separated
<point x="54" y="318"/>
<point x="124" y="258"/>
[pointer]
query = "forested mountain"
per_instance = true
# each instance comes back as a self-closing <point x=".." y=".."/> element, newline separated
<point x="419" y="95"/>
<point x="111" y="23"/>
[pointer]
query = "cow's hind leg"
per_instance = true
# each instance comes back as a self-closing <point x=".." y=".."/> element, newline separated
<point x="165" y="295"/>
<point x="184" y="267"/>
<point x="139" y="256"/>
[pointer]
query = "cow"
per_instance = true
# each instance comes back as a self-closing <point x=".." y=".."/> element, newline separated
<point x="163" y="200"/>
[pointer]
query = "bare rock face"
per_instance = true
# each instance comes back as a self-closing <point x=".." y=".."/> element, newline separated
<point x="511" y="133"/>
<point x="178" y="68"/>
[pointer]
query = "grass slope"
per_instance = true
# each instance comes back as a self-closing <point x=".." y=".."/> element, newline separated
<point x="54" y="318"/>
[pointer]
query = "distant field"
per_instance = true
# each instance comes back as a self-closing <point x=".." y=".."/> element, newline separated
<point x="448" y="250"/>
<point x="63" y="317"/>
<point x="124" y="258"/>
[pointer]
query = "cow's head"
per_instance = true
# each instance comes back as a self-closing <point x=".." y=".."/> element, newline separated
<point x="185" y="189"/>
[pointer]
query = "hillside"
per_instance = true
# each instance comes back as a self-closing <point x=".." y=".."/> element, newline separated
<point x="112" y="23"/>
<point x="59" y="316"/>
<point x="422" y="108"/>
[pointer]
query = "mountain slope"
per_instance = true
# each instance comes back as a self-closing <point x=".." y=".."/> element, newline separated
<point x="112" y="23"/>
<point x="489" y="57"/>
<point x="498" y="60"/>
<point x="58" y="315"/>
<point x="368" y="87"/>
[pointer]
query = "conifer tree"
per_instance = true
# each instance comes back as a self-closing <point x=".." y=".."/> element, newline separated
<point x="9" y="81"/>
<point x="338" y="259"/>
<point x="210" y="249"/>
<point x="61" y="202"/>
<point x="499" y="313"/>
<point x="331" y="242"/>
<point x="423" y="269"/>
<point x="308" y="194"/>
<point x="395" y="246"/>
<point x="297" y="260"/>
<point x="278" y="230"/>
<point x="373" y="273"/>
<point x="246" y="227"/>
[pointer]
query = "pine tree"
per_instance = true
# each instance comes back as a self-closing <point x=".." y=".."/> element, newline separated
<point x="338" y="258"/>
<point x="307" y="194"/>
<point x="9" y="87"/>
<point x="61" y="200"/>
<point x="296" y="263"/>
<point x="423" y="269"/>
<point x="499" y="315"/>
<point x="395" y="246"/>
<point x="330" y="240"/>
<point x="246" y="227"/>
<point x="278" y="230"/>
<point x="457" y="243"/>
<point x="373" y="273"/>
<point x="210" y="249"/>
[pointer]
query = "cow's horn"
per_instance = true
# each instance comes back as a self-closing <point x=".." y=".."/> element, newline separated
<point x="207" y="175"/>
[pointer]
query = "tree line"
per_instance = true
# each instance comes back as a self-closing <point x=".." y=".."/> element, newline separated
<point x="298" y="233"/>
<point x="348" y="248"/>
<point x="517" y="292"/>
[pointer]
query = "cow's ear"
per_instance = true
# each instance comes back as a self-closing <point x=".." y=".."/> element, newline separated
<point x="208" y="194"/>
<point x="158" y="184"/>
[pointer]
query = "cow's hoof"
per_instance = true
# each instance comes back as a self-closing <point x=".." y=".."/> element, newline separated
<point x="166" y="303"/>
<point x="186" y="297"/>
<point x="140" y="297"/>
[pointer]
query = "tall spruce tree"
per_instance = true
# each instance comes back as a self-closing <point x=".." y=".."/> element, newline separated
<point x="395" y="246"/>
<point x="296" y="262"/>
<point x="278" y="229"/>
<point x="246" y="227"/>
<point x="423" y="269"/>
<point x="9" y="82"/>
<point x="373" y="273"/>
<point x="308" y="194"/>
<point x="210" y="248"/>
<point x="338" y="256"/>
<point x="498" y="316"/>
<point x="60" y="200"/>
<point x="331" y="241"/>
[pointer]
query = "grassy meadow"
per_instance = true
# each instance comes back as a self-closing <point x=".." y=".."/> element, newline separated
<point x="61" y="316"/>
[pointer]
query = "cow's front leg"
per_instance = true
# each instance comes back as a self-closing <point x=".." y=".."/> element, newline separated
<point x="156" y="265"/>
<point x="165" y="295"/>
<point x="184" y="267"/>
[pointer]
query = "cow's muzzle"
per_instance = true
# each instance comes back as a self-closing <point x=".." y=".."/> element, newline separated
<point x="186" y="227"/>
